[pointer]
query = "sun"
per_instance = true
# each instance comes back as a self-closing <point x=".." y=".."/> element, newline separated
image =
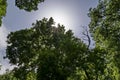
<point x="60" y="16"/>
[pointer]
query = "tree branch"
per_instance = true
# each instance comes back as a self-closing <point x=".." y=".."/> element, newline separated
<point x="86" y="34"/>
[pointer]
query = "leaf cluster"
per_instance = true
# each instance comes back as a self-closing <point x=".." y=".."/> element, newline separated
<point x="3" y="6"/>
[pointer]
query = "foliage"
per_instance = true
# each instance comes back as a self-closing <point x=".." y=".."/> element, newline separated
<point x="47" y="52"/>
<point x="3" y="5"/>
<point x="28" y="5"/>
<point x="55" y="54"/>
<point x="51" y="52"/>
<point x="105" y="29"/>
<point x="8" y="76"/>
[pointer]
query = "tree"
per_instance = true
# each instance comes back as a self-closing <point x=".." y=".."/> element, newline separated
<point x="27" y="5"/>
<point x="104" y="27"/>
<point x="49" y="51"/>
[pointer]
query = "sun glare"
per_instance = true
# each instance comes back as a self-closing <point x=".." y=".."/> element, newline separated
<point x="60" y="16"/>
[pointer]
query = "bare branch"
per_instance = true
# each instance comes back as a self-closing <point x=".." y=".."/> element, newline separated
<point x="85" y="33"/>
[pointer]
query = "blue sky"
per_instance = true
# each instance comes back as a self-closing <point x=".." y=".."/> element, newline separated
<point x="71" y="13"/>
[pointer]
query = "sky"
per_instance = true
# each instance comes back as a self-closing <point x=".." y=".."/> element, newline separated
<point x="71" y="13"/>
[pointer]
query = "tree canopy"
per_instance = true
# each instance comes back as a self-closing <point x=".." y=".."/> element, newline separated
<point x="52" y="51"/>
<point x="49" y="52"/>
<point x="54" y="54"/>
<point x="105" y="29"/>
